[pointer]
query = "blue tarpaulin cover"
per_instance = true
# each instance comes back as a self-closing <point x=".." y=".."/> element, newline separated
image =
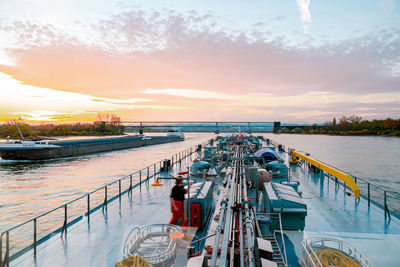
<point x="266" y="153"/>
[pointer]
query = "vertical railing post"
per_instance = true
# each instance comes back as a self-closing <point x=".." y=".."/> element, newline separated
<point x="88" y="206"/>
<point x="34" y="237"/>
<point x="148" y="174"/>
<point x="119" y="188"/>
<point x="369" y="194"/>
<point x="387" y="213"/>
<point x="140" y="180"/>
<point x="7" y="255"/>
<point x="65" y="218"/>
<point x="384" y="202"/>
<point x="1" y="250"/>
<point x="154" y="171"/>
<point x="130" y="182"/>
<point x="105" y="196"/>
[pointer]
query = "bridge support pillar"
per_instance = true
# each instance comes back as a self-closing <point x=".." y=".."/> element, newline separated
<point x="141" y="129"/>
<point x="216" y="128"/>
<point x="277" y="126"/>
<point x="248" y="128"/>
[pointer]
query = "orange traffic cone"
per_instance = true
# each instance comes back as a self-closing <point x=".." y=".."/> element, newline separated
<point x="157" y="183"/>
<point x="176" y="235"/>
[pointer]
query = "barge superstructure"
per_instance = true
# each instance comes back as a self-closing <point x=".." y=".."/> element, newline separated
<point x="242" y="209"/>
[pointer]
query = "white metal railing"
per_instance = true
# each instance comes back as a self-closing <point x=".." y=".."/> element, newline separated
<point x="310" y="258"/>
<point x="153" y="243"/>
<point x="282" y="237"/>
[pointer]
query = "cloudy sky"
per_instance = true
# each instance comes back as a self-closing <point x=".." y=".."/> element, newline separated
<point x="289" y="61"/>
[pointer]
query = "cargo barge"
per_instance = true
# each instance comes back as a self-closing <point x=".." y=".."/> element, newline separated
<point x="43" y="149"/>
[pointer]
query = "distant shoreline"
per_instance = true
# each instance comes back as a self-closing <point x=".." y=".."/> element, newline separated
<point x="343" y="134"/>
<point x="50" y="130"/>
<point x="63" y="137"/>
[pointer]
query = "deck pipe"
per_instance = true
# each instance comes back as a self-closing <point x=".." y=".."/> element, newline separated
<point x="219" y="228"/>
<point x="249" y="226"/>
<point x="224" y="219"/>
<point x="241" y="225"/>
<point x="228" y="224"/>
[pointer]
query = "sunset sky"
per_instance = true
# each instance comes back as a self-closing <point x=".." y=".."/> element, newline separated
<point x="290" y="61"/>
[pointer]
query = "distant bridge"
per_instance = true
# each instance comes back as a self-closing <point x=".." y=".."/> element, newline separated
<point x="202" y="126"/>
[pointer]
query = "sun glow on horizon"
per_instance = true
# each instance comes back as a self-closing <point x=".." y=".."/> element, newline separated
<point x="44" y="104"/>
<point x="290" y="61"/>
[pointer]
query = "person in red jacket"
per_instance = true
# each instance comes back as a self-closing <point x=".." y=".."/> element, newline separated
<point x="177" y="197"/>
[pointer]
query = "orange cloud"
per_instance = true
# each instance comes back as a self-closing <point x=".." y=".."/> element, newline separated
<point x="178" y="56"/>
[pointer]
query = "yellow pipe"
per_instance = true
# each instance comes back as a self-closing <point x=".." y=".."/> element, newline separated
<point x="348" y="179"/>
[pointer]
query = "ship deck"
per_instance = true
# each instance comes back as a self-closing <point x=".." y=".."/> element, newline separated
<point x="331" y="213"/>
<point x="334" y="214"/>
<point x="99" y="242"/>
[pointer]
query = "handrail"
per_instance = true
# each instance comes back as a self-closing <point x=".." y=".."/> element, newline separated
<point x="283" y="240"/>
<point x="277" y="216"/>
<point x="126" y="241"/>
<point x="347" y="178"/>
<point x="305" y="248"/>
<point x="7" y="257"/>
<point x="397" y="194"/>
<point x="201" y="239"/>
<point x="351" y="251"/>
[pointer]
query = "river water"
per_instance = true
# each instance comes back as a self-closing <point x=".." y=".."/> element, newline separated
<point x="373" y="158"/>
<point x="28" y="188"/>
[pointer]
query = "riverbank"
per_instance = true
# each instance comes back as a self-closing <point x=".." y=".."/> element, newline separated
<point x="350" y="125"/>
<point x="323" y="131"/>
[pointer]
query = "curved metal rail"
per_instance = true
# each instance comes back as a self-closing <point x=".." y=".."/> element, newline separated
<point x="153" y="243"/>
<point x="309" y="257"/>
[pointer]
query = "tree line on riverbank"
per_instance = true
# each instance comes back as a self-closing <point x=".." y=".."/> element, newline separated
<point x="104" y="125"/>
<point x="351" y="125"/>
